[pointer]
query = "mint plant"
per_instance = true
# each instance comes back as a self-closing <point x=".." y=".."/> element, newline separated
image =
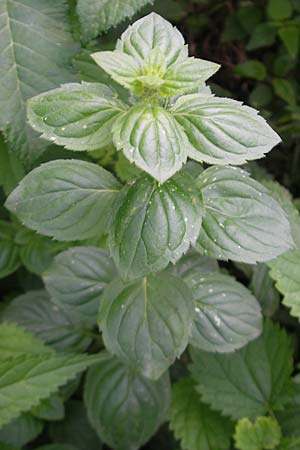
<point x="132" y="281"/>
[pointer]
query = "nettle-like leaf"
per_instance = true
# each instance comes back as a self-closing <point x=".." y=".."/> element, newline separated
<point x="194" y="423"/>
<point x="9" y="251"/>
<point x="264" y="433"/>
<point x="264" y="290"/>
<point x="27" y="379"/>
<point x="151" y="138"/>
<point x="76" y="279"/>
<point x="15" y="341"/>
<point x="152" y="56"/>
<point x="65" y="199"/>
<point x="289" y="418"/>
<point x="125" y="408"/>
<point x="147" y="323"/>
<point x="223" y="131"/>
<point x="154" y="224"/>
<point x="97" y="16"/>
<point x="35" y="53"/>
<point x="77" y="116"/>
<point x="249" y="382"/>
<point x="226" y="315"/>
<point x="239" y="214"/>
<point x="285" y="271"/>
<point x="36" y="313"/>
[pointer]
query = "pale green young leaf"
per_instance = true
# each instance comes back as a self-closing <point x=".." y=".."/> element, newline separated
<point x="264" y="433"/>
<point x="65" y="199"/>
<point x="186" y="75"/>
<point x="76" y="279"/>
<point x="15" y="341"/>
<point x="21" y="430"/>
<point x="154" y="224"/>
<point x="194" y="423"/>
<point x="125" y="408"/>
<point x="147" y="323"/>
<point x="77" y="116"/>
<point x="150" y="137"/>
<point x="226" y="315"/>
<point x="239" y="214"/>
<point x="285" y="271"/>
<point x="26" y="380"/>
<point x="223" y="131"/>
<point x="37" y="314"/>
<point x="75" y="429"/>
<point x="97" y="16"/>
<point x="9" y="251"/>
<point x="35" y="52"/>
<point x="123" y="68"/>
<point x="249" y="382"/>
<point x="152" y="31"/>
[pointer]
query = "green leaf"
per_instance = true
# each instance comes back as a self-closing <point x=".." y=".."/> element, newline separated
<point x="150" y="137"/>
<point x="152" y="31"/>
<point x="125" y="408"/>
<point x="26" y="380"/>
<point x="35" y="53"/>
<point x="65" y="199"/>
<point x="264" y="290"/>
<point x="4" y="446"/>
<point x="125" y="170"/>
<point x="194" y="423"/>
<point x="264" y="433"/>
<point x="251" y="69"/>
<point x="261" y="95"/>
<point x="11" y="169"/>
<point x="285" y="271"/>
<point x="290" y="36"/>
<point x="291" y="443"/>
<point x="9" y="252"/>
<point x="76" y="279"/>
<point x="51" y="408"/>
<point x="154" y="224"/>
<point x="36" y="313"/>
<point x="226" y="316"/>
<point x="249" y="15"/>
<point x="223" y="131"/>
<point x="285" y="90"/>
<point x="192" y="262"/>
<point x="14" y="341"/>
<point x="249" y="382"/>
<point x="21" y="431"/>
<point x="56" y="447"/>
<point x="77" y="116"/>
<point x="289" y="418"/>
<point x="147" y="323"/>
<point x="75" y="429"/>
<point x="97" y="16"/>
<point x="279" y="9"/>
<point x="263" y="35"/>
<point x="239" y="214"/>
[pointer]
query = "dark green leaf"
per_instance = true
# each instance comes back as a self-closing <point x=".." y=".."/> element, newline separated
<point x="261" y="95"/>
<point x="51" y="408"/>
<point x="77" y="116"/>
<point x="75" y="429"/>
<point x="11" y="169"/>
<point x="249" y="382"/>
<point x="239" y="214"/>
<point x="289" y="418"/>
<point x="194" y="423"/>
<point x="279" y="9"/>
<point x="125" y="408"/>
<point x="9" y="252"/>
<point x="192" y="262"/>
<point x="20" y="431"/>
<point x="251" y="69"/>
<point x="285" y="90"/>
<point x="154" y="224"/>
<point x="263" y="35"/>
<point x="35" y="53"/>
<point x="290" y="36"/>
<point x="147" y="323"/>
<point x="65" y="199"/>
<point x="76" y="279"/>
<point x="263" y="288"/>
<point x="39" y="315"/>
<point x="226" y="315"/>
